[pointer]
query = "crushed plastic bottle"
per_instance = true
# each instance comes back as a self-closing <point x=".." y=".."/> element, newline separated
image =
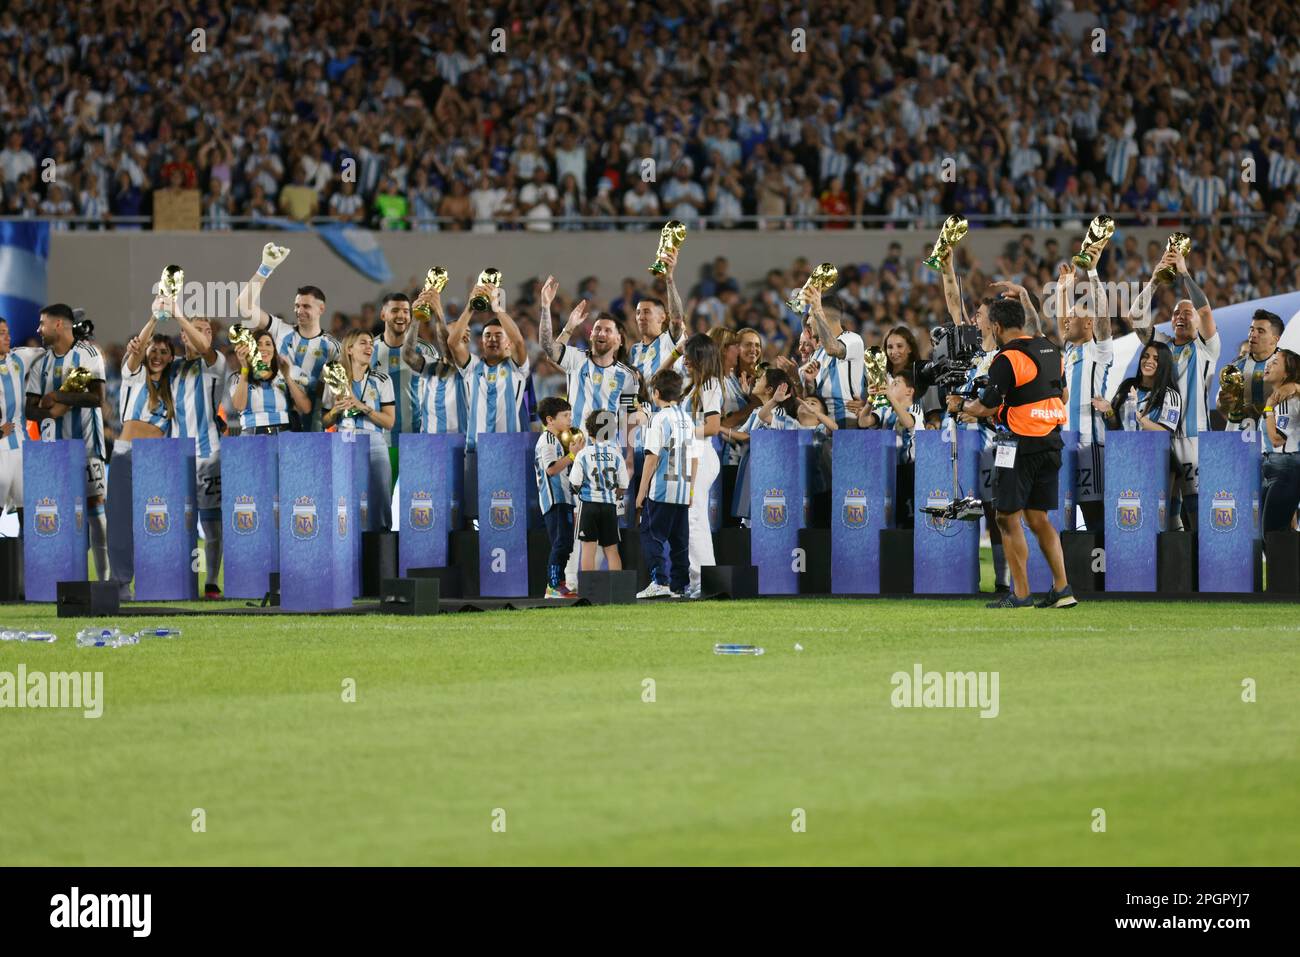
<point x="12" y="634"/>
<point x="158" y="633"/>
<point x="104" y="638"/>
<point x="737" y="650"/>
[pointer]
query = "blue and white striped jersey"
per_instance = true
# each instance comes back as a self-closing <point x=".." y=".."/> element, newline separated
<point x="1194" y="362"/>
<point x="1086" y="370"/>
<point x="134" y="404"/>
<point x="406" y="383"/>
<point x="268" y="402"/>
<point x="1166" y="414"/>
<point x="375" y="391"/>
<point x="733" y="400"/>
<point x="495" y="395"/>
<point x="649" y="358"/>
<point x="47" y="373"/>
<point x="780" y="422"/>
<point x="840" y="380"/>
<point x="670" y="435"/>
<point x="904" y="435"/>
<point x="988" y="431"/>
<point x="13" y="398"/>
<point x="1287" y="422"/>
<point x="710" y="401"/>
<point x="307" y="354"/>
<point x="554" y="489"/>
<point x="599" y="473"/>
<point x="196" y="387"/>
<point x="592" y="387"/>
<point x="1252" y="372"/>
<point x="442" y="395"/>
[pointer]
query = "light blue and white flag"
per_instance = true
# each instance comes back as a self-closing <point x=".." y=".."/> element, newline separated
<point x="24" y="252"/>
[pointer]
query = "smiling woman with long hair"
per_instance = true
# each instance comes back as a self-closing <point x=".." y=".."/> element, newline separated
<point x="368" y="408"/>
<point x="261" y="400"/>
<point x="1281" y="489"/>
<point x="1156" y="404"/>
<point x="147" y="410"/>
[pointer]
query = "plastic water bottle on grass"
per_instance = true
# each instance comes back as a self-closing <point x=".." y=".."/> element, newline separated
<point x="159" y="633"/>
<point x="104" y="638"/>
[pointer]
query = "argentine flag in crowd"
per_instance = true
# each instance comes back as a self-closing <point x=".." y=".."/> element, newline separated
<point x="24" y="251"/>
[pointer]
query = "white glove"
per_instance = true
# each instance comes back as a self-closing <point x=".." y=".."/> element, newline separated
<point x="272" y="256"/>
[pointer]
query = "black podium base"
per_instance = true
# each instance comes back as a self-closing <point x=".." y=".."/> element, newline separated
<point x="1283" y="551"/>
<point x="1176" y="568"/>
<point x="1077" y="550"/>
<point x="816" y="545"/>
<point x="378" y="561"/>
<point x="86" y="599"/>
<point x="448" y="578"/>
<point x="896" y="561"/>
<point x="11" y="569"/>
<point x="728" y="581"/>
<point x="410" y="596"/>
<point x="608" y="588"/>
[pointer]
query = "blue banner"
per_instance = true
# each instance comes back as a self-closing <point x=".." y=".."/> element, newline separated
<point x="1228" y="520"/>
<point x="863" y="473"/>
<point x="1137" y="486"/>
<point x="945" y="557"/>
<point x="250" y="514"/>
<point x="359" y="249"/>
<point x="54" y="503"/>
<point x="433" y="470"/>
<point x="778" y="502"/>
<point x="318" y="533"/>
<point x="505" y="474"/>
<point x="1061" y="517"/>
<point x="166" y="538"/>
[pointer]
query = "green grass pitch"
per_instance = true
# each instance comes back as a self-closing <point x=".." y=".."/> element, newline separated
<point x="1132" y="708"/>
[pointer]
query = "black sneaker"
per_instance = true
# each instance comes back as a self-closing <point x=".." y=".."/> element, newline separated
<point x="1009" y="600"/>
<point x="1059" y="599"/>
<point x="1001" y="589"/>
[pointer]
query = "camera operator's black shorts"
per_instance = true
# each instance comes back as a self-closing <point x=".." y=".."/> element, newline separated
<point x="599" y="523"/>
<point x="1033" y="482"/>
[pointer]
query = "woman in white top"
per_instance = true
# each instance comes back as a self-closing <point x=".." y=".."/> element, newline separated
<point x="1281" y="489"/>
<point x="369" y="407"/>
<point x="704" y="405"/>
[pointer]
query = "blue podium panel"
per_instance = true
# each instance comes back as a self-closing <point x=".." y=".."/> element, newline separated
<point x="778" y="501"/>
<point x="54" y="504"/>
<point x="505" y="473"/>
<point x="946" y="559"/>
<point x="1137" y="483"/>
<point x="250" y="514"/>
<point x="361" y="493"/>
<point x="318" y="551"/>
<point x="162" y="506"/>
<point x="715" y="490"/>
<point x="433" y="476"/>
<point x="1229" y="510"/>
<point x="1061" y="517"/>
<point x="864" y="467"/>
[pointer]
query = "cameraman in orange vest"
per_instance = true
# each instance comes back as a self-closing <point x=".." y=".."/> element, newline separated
<point x="1024" y="397"/>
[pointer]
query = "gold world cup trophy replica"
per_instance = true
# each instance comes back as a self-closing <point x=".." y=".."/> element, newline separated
<point x="671" y="238"/>
<point x="171" y="285"/>
<point x="78" y="380"/>
<point x="488" y="277"/>
<point x="435" y="279"/>
<point x="951" y="233"/>
<point x="567" y="437"/>
<point x="877" y="377"/>
<point x="339" y="383"/>
<point x="824" y="277"/>
<point x="1232" y="392"/>
<point x="242" y="336"/>
<point x="1094" y="241"/>
<point x="1180" y="243"/>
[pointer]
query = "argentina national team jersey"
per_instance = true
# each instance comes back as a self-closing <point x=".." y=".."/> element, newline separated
<point x="1287" y="421"/>
<point x="375" y="391"/>
<point x="598" y="473"/>
<point x="309" y="355"/>
<point x="670" y="436"/>
<point x="554" y="489"/>
<point x="649" y="358"/>
<point x="1087" y="367"/>
<point x="495" y="395"/>
<point x="47" y="373"/>
<point x="1194" y="362"/>
<point x="780" y="422"/>
<point x="840" y="380"/>
<point x="1166" y="415"/>
<point x="406" y="383"/>
<point x="13" y="399"/>
<point x="904" y="435"/>
<point x="593" y="387"/>
<point x="134" y="403"/>
<point x="709" y="401"/>
<point x="196" y="389"/>
<point x="268" y="402"/>
<point x="1252" y="373"/>
<point x="733" y="400"/>
<point x="442" y="395"/>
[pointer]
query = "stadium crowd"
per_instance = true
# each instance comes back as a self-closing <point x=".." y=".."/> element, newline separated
<point x="402" y="113"/>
